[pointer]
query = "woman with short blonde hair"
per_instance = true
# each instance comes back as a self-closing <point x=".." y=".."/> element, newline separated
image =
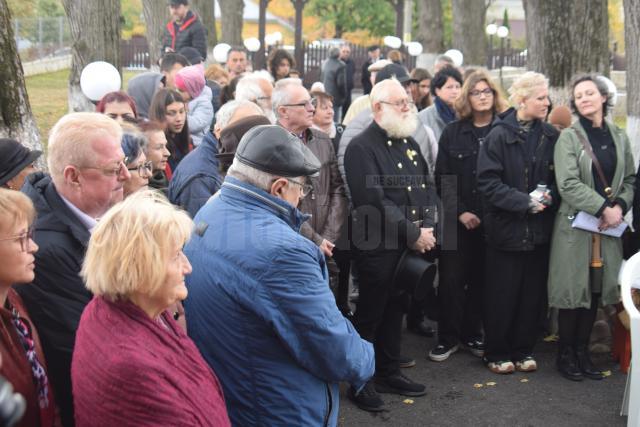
<point x="22" y="361"/>
<point x="135" y="267"/>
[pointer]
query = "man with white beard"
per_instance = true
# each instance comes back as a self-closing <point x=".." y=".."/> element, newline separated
<point x="393" y="210"/>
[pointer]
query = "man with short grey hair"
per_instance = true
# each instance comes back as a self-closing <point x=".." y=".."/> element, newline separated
<point x="257" y="89"/>
<point x="334" y="78"/>
<point x="87" y="168"/>
<point x="259" y="308"/>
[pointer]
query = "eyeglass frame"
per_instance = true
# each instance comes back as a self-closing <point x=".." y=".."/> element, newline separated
<point x="311" y="101"/>
<point x="305" y="188"/>
<point x="148" y="166"/>
<point x="486" y="92"/>
<point x="400" y="104"/>
<point x="24" y="238"/>
<point x="108" y="171"/>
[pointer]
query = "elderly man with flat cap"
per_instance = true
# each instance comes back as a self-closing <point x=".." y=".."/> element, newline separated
<point x="259" y="308"/>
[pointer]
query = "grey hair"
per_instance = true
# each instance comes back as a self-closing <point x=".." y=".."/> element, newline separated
<point x="248" y="88"/>
<point x="280" y="95"/>
<point x="226" y="112"/>
<point x="251" y="175"/>
<point x="334" y="52"/>
<point x="382" y="90"/>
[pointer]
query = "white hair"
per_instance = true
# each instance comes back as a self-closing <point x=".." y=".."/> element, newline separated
<point x="280" y="95"/>
<point x="248" y="88"/>
<point x="251" y="175"/>
<point x="226" y="112"/>
<point x="382" y="90"/>
<point x="264" y="74"/>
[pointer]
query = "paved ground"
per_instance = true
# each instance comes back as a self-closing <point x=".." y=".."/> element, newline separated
<point x="545" y="399"/>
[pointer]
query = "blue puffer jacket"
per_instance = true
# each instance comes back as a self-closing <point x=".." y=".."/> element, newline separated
<point x="261" y="313"/>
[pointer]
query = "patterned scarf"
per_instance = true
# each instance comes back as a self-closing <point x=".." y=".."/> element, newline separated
<point x="39" y="375"/>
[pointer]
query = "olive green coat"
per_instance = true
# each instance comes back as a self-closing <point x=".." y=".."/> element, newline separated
<point x="570" y="247"/>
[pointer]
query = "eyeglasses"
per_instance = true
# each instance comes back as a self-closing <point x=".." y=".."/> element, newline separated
<point x="109" y="171"/>
<point x="399" y="104"/>
<point x="263" y="98"/>
<point x="23" y="237"/>
<point x="143" y="168"/>
<point x="477" y="93"/>
<point x="305" y="188"/>
<point x="311" y="102"/>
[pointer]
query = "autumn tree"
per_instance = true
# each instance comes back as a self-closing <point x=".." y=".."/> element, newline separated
<point x="632" y="53"/>
<point x="352" y="15"/>
<point x="469" y="29"/>
<point x="16" y="118"/>
<point x="565" y="37"/>
<point x="430" y="25"/>
<point x="231" y="20"/>
<point x="95" y="32"/>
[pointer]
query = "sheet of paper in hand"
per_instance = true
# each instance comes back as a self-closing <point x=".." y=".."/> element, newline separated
<point x="587" y="222"/>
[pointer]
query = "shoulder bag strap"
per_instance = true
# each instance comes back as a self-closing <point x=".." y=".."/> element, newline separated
<point x="587" y="147"/>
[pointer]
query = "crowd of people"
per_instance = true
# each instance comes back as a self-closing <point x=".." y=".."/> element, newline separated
<point x="188" y="256"/>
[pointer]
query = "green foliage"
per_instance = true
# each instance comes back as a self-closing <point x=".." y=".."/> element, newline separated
<point x="505" y="18"/>
<point x="447" y="22"/>
<point x="133" y="23"/>
<point x="49" y="8"/>
<point x="21" y="8"/>
<point x="354" y="15"/>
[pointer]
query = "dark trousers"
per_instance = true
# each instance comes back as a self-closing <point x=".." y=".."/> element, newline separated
<point x="575" y="325"/>
<point x="346" y="104"/>
<point x="342" y="257"/>
<point x="515" y="287"/>
<point x="462" y="277"/>
<point x="379" y="313"/>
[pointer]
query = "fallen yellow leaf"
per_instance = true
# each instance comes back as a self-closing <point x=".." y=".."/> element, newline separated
<point x="550" y="338"/>
<point x="491" y="383"/>
<point x="606" y="373"/>
<point x="478" y="385"/>
<point x="408" y="401"/>
<point x="524" y="380"/>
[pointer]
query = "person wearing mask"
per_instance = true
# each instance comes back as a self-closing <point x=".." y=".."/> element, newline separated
<point x="149" y="372"/>
<point x="16" y="163"/>
<point x="516" y="179"/>
<point x="462" y="259"/>
<point x="595" y="175"/>
<point x="184" y="30"/>
<point x="445" y="88"/>
<point x="22" y="360"/>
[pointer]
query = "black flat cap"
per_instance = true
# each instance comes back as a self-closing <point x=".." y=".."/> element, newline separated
<point x="274" y="150"/>
<point x="393" y="70"/>
<point x="13" y="158"/>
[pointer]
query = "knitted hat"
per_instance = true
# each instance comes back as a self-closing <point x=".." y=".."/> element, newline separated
<point x="191" y="80"/>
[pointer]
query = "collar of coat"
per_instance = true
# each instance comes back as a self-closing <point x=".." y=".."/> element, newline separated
<point x="247" y="193"/>
<point x="509" y="121"/>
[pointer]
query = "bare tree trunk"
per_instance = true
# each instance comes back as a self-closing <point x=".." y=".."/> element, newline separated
<point x="299" y="46"/>
<point x="565" y="37"/>
<point x="468" y="30"/>
<point x="95" y="31"/>
<point x="430" y="27"/>
<point x="206" y="12"/>
<point x="231" y="11"/>
<point x="156" y="16"/>
<point x="632" y="54"/>
<point x="16" y="118"/>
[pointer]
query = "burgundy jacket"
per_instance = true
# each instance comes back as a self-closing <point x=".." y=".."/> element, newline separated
<point x="15" y="367"/>
<point x="130" y="370"/>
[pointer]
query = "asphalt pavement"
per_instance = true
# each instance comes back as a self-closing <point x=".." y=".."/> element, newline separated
<point x="463" y="392"/>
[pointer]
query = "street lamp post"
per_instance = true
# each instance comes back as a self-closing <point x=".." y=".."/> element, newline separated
<point x="491" y="30"/>
<point x="502" y="33"/>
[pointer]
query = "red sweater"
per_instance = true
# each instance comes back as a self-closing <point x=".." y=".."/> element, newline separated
<point x="129" y="370"/>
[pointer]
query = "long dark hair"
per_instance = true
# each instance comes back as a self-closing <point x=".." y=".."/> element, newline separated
<point x="178" y="144"/>
<point x="276" y="57"/>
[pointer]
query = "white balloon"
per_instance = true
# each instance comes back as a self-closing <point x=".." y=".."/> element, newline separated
<point x="491" y="29"/>
<point x="270" y="40"/>
<point x="220" y="52"/>
<point x="611" y="88"/>
<point x="414" y="48"/>
<point x="98" y="79"/>
<point x="393" y="42"/>
<point x="252" y="44"/>
<point x="277" y="36"/>
<point x="502" y="31"/>
<point x="456" y="56"/>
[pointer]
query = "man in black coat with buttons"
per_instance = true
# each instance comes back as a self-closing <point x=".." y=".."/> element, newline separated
<point x="394" y="206"/>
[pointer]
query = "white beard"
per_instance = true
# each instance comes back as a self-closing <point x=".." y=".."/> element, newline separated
<point x="395" y="125"/>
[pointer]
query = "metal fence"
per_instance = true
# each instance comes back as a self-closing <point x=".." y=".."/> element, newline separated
<point x="40" y="37"/>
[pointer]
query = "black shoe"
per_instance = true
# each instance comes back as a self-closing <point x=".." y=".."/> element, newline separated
<point x="420" y="329"/>
<point x="585" y="364"/>
<point x="368" y="398"/>
<point x="399" y="384"/>
<point x="406" y="362"/>
<point x="567" y="364"/>
<point x="475" y="347"/>
<point x="441" y="352"/>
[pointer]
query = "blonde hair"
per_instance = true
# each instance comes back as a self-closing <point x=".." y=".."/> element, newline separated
<point x="526" y="85"/>
<point x="463" y="105"/>
<point x="15" y="207"/>
<point x="130" y="247"/>
<point x="214" y="72"/>
<point x="70" y="140"/>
